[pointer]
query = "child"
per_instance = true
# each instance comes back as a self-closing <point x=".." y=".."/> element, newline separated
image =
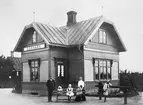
<point x="60" y="89"/>
<point x="69" y="91"/>
<point x="106" y="89"/>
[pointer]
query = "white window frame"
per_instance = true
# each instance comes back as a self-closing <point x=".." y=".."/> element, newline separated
<point x="102" y="34"/>
<point x="101" y="69"/>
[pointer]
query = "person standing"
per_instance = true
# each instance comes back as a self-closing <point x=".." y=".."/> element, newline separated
<point x="81" y="84"/>
<point x="106" y="89"/>
<point x="100" y="90"/>
<point x="50" y="87"/>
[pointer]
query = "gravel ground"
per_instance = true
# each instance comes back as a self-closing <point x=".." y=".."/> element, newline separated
<point x="8" y="98"/>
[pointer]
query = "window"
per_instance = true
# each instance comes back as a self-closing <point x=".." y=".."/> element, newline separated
<point x="102" y="69"/>
<point x="34" y="70"/>
<point x="96" y="70"/>
<point x="109" y="69"/>
<point x="102" y="36"/>
<point x="60" y="70"/>
<point x="34" y="37"/>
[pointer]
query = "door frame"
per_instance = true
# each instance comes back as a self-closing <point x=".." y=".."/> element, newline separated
<point x="65" y="61"/>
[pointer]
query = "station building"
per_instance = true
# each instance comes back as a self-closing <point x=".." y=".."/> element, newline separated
<point x="88" y="48"/>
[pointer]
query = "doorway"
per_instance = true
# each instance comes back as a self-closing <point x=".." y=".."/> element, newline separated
<point x="61" y="71"/>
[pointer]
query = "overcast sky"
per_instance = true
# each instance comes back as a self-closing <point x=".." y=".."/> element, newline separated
<point x="127" y="16"/>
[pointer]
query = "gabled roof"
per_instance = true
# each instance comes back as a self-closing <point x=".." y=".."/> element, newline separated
<point x="16" y="63"/>
<point x="79" y="33"/>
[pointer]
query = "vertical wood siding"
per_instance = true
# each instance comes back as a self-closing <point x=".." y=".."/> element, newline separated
<point x="88" y="70"/>
<point x="53" y="69"/>
<point x="76" y="67"/>
<point x="43" y="55"/>
<point x="26" y="72"/>
<point x="44" y="71"/>
<point x="88" y="65"/>
<point x="56" y="52"/>
<point x="111" y="37"/>
<point x="115" y="71"/>
<point x="28" y="40"/>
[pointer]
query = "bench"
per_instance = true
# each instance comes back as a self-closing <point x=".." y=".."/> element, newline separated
<point x="63" y="93"/>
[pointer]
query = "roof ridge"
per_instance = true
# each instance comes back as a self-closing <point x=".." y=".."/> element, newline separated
<point x="101" y="16"/>
<point x="48" y="24"/>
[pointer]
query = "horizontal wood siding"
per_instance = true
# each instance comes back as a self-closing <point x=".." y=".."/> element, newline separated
<point x="43" y="55"/>
<point x="58" y="52"/>
<point x="104" y="47"/>
<point x="34" y="87"/>
<point x="90" y="54"/>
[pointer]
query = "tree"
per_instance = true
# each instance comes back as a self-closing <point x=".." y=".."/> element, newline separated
<point x="6" y="66"/>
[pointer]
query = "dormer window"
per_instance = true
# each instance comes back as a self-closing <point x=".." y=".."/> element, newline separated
<point x="102" y="36"/>
<point x="34" y="37"/>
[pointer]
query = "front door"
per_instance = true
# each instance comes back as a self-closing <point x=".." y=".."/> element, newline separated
<point x="61" y="71"/>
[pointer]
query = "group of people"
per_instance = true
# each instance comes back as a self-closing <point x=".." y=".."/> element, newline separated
<point x="103" y="90"/>
<point x="80" y="91"/>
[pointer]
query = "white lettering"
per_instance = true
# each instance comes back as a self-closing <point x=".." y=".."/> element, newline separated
<point x="34" y="47"/>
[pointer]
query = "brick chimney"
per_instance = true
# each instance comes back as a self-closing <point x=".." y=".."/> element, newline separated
<point x="71" y="17"/>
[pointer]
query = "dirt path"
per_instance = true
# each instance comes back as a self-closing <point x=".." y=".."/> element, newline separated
<point x="8" y="98"/>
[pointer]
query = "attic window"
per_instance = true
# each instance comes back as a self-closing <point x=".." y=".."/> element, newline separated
<point x="102" y="36"/>
<point x="34" y="37"/>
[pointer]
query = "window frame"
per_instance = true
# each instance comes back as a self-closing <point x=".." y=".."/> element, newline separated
<point x="34" y="37"/>
<point x="35" y="66"/>
<point x="103" y="66"/>
<point x="101" y="38"/>
<point x="61" y="70"/>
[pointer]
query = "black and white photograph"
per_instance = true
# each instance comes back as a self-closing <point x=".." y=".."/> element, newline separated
<point x="71" y="52"/>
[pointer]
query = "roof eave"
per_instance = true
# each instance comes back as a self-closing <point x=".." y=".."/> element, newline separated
<point x="18" y="42"/>
<point x="101" y="20"/>
<point x="21" y="36"/>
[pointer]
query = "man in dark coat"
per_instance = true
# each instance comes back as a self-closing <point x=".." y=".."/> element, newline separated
<point x="100" y="90"/>
<point x="50" y="87"/>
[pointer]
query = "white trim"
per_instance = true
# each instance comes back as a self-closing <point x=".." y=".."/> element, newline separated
<point x="119" y="37"/>
<point x="103" y="51"/>
<point x="96" y="29"/>
<point x="20" y="38"/>
<point x="110" y="22"/>
<point x="38" y="50"/>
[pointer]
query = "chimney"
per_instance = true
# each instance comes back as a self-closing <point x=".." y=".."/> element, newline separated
<point x="71" y="17"/>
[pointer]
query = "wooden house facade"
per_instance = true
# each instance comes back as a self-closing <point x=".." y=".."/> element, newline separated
<point x="88" y="48"/>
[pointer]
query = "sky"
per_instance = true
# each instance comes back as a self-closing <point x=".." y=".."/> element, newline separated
<point x="127" y="16"/>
